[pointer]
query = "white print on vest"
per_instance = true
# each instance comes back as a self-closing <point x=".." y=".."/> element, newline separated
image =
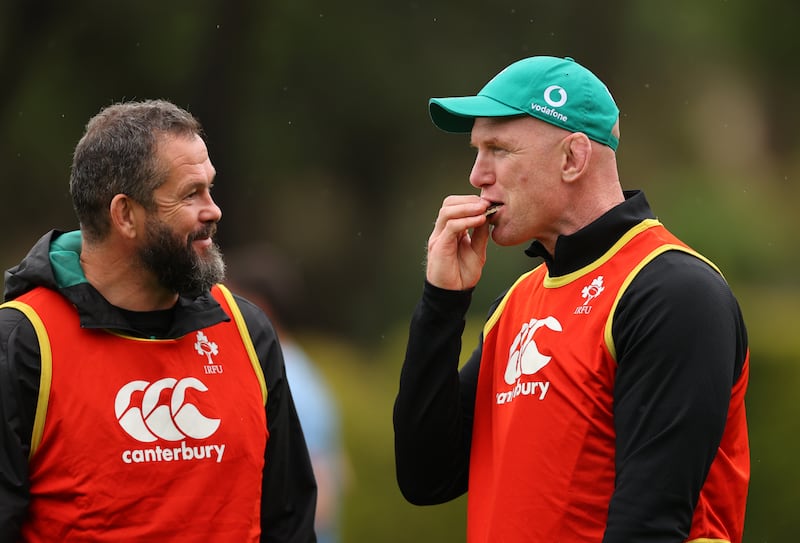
<point x="153" y="420"/>
<point x="589" y="293"/>
<point x="527" y="388"/>
<point x="173" y="454"/>
<point x="524" y="357"/>
<point x="207" y="348"/>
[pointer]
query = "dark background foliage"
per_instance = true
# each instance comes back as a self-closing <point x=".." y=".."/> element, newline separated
<point x="317" y="124"/>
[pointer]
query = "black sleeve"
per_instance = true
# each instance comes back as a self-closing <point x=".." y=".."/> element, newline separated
<point x="681" y="344"/>
<point x="289" y="490"/>
<point x="20" y="366"/>
<point x="434" y="405"/>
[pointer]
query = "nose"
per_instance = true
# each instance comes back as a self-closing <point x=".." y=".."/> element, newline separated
<point x="482" y="173"/>
<point x="211" y="212"/>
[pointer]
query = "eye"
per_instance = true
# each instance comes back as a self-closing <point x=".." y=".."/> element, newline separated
<point x="497" y="149"/>
<point x="198" y="190"/>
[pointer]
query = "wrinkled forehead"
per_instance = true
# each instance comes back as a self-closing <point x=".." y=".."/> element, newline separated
<point x="185" y="157"/>
<point x="522" y="127"/>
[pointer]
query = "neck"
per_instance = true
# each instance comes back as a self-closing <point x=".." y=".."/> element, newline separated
<point x="585" y="202"/>
<point x="119" y="278"/>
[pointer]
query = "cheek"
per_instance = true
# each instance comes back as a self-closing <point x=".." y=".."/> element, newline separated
<point x="532" y="190"/>
<point x="180" y="218"/>
<point x="536" y="206"/>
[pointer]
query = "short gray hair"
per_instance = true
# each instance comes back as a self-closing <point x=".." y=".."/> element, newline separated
<point x="118" y="154"/>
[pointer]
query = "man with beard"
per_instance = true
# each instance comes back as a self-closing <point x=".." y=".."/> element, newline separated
<point x="140" y="400"/>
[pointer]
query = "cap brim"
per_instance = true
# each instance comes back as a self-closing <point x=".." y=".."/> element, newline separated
<point x="457" y="114"/>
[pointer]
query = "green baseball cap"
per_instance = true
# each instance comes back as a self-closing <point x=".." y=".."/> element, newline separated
<point x="558" y="91"/>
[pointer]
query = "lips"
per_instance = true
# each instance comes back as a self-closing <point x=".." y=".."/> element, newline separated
<point x="492" y="209"/>
<point x="204" y="234"/>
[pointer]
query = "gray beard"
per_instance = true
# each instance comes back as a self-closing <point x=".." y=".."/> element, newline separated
<point x="176" y="265"/>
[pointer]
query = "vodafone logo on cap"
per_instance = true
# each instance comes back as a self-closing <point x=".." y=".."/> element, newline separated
<point x="559" y="100"/>
<point x="161" y="411"/>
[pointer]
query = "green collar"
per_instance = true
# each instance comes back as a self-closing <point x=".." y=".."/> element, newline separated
<point x="65" y="259"/>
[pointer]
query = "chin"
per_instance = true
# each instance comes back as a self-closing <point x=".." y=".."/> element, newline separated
<point x="508" y="241"/>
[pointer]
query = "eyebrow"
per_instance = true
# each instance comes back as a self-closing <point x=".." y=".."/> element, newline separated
<point x="197" y="184"/>
<point x="492" y="140"/>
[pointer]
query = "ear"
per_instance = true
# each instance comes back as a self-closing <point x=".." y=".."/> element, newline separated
<point x="577" y="155"/>
<point x="124" y="215"/>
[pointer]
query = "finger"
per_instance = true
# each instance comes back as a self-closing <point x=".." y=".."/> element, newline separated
<point x="480" y="239"/>
<point x="458" y="199"/>
<point x="460" y="213"/>
<point x="462" y="206"/>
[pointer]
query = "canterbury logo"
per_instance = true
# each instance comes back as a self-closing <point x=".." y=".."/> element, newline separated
<point x="163" y="412"/>
<point x="524" y="356"/>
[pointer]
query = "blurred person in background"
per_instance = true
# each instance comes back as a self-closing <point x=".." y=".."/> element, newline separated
<point x="139" y="399"/>
<point x="271" y="280"/>
<point x="605" y="398"/>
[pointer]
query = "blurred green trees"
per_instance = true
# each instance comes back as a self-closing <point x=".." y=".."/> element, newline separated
<point x="317" y="124"/>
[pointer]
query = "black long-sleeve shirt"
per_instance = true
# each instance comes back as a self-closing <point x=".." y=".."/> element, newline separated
<point x="670" y="409"/>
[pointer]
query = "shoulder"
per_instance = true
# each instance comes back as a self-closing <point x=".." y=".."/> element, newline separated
<point x="15" y="326"/>
<point x="678" y="303"/>
<point x="677" y="277"/>
<point x="20" y="367"/>
<point x="264" y="338"/>
<point x="251" y="313"/>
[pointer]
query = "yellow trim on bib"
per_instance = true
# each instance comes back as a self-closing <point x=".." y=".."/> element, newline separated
<point x="45" y="375"/>
<point x="248" y="342"/>
<point x="135" y="338"/>
<point x="499" y="309"/>
<point x="555" y="282"/>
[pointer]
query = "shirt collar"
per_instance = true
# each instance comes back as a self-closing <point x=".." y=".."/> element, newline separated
<point x="583" y="247"/>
